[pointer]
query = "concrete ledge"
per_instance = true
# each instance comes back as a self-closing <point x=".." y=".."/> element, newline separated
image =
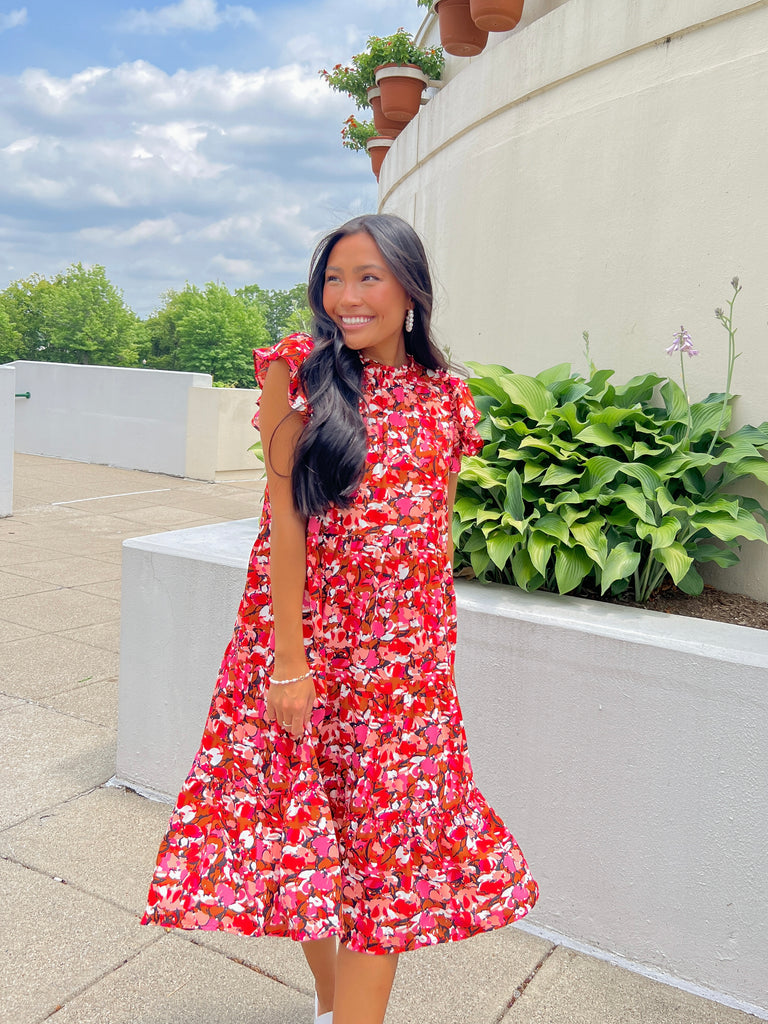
<point x="626" y="749"/>
<point x="7" y="419"/>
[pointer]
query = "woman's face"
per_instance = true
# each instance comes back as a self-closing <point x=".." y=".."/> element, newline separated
<point x="365" y="299"/>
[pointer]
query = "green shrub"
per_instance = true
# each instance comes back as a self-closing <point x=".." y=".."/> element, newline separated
<point x="584" y="486"/>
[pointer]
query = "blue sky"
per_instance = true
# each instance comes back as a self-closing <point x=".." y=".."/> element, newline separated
<point x="178" y="141"/>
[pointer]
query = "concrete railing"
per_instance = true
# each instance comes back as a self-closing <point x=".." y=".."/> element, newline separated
<point x="7" y="418"/>
<point x="155" y="420"/>
<point x="627" y="750"/>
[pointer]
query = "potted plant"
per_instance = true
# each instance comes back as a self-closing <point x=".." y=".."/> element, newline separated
<point x="459" y="34"/>
<point x="496" y="15"/>
<point x="384" y="125"/>
<point x="354" y="79"/>
<point x="402" y="72"/>
<point x="363" y="135"/>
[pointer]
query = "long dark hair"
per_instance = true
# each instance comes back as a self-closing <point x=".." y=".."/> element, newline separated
<point x="329" y="460"/>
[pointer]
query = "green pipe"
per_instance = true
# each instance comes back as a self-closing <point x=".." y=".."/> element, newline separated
<point x="23" y="394"/>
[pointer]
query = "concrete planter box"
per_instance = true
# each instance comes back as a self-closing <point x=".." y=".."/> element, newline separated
<point x="627" y="750"/>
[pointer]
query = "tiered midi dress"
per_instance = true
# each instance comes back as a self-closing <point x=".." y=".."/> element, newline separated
<point x="369" y="827"/>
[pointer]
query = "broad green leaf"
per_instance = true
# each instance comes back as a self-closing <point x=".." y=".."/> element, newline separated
<point x="539" y="547"/>
<point x="474" y="468"/>
<point x="572" y="515"/>
<point x="634" y="499"/>
<point x="720" y="556"/>
<point x="553" y="526"/>
<point x="691" y="583"/>
<point x="724" y="527"/>
<point x="523" y="570"/>
<point x="600" y="470"/>
<point x="513" y="503"/>
<point x="570" y="497"/>
<point x="620" y="564"/>
<point x="492" y="370"/>
<point x="675" y="560"/>
<point x="480" y="561"/>
<point x="602" y="435"/>
<point x="757" y="435"/>
<point x="556" y="475"/>
<point x="501" y="545"/>
<point x="571" y="566"/>
<point x="592" y="538"/>
<point x="648" y="478"/>
<point x="749" y="467"/>
<point x="561" y="372"/>
<point x="638" y="389"/>
<point x="467" y="508"/>
<point x="568" y="414"/>
<point x="475" y="542"/>
<point x="484" y="514"/>
<point x="598" y="381"/>
<point x="528" y="393"/>
<point x="675" y="402"/>
<point x="660" y="536"/>
<point x="531" y="472"/>
<point x="541" y="445"/>
<point x="572" y="392"/>
<point x="706" y="419"/>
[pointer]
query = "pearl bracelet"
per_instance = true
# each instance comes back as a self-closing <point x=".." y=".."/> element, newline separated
<point x="284" y="682"/>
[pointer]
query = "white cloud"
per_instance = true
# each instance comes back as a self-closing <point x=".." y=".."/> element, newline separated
<point x="187" y="15"/>
<point x="13" y="19"/>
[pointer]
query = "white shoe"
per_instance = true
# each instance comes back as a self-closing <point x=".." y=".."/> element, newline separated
<point x="324" y="1018"/>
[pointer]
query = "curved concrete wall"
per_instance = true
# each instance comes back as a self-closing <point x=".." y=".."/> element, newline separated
<point x="602" y="167"/>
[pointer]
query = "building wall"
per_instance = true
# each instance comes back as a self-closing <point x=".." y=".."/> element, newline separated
<point x="601" y="168"/>
<point x="7" y="416"/>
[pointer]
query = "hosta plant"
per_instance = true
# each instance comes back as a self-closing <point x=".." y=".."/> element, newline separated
<point x="587" y="486"/>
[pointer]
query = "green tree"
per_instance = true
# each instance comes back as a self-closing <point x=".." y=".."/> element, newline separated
<point x="285" y="310"/>
<point x="78" y="316"/>
<point x="206" y="330"/>
<point x="10" y="339"/>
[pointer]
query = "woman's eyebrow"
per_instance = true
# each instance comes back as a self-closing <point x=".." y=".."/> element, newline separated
<point x="356" y="270"/>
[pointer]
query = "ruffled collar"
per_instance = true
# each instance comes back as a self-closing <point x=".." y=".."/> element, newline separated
<point x="385" y="372"/>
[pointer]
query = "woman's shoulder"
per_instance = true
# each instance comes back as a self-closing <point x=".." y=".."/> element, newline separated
<point x="294" y="349"/>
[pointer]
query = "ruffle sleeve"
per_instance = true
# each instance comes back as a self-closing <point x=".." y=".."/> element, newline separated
<point x="466" y="440"/>
<point x="294" y="349"/>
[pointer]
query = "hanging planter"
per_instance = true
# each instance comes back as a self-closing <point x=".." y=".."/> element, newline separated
<point x="384" y="125"/>
<point x="459" y="34"/>
<point x="401" y="88"/>
<point x="378" y="147"/>
<point x="496" y="15"/>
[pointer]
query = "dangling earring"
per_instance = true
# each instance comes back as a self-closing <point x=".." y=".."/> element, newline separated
<point x="409" y="321"/>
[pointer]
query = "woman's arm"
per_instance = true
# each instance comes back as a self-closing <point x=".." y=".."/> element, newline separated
<point x="453" y="479"/>
<point x="280" y="428"/>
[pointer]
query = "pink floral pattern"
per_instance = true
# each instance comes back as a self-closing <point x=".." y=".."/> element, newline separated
<point x="369" y="827"/>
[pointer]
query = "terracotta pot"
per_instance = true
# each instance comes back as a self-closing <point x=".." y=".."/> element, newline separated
<point x="378" y="147"/>
<point x="496" y="15"/>
<point x="458" y="33"/>
<point x="384" y="125"/>
<point x="401" y="89"/>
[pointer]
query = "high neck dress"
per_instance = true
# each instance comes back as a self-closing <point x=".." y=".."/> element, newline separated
<point x="369" y="827"/>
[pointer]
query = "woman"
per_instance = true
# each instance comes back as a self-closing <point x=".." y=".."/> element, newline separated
<point x="332" y="798"/>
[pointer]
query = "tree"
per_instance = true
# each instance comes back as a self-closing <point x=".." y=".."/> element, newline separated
<point x="78" y="316"/>
<point x="207" y="330"/>
<point x="285" y="311"/>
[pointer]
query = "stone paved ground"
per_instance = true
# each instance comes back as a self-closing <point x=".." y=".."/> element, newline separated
<point x="76" y="855"/>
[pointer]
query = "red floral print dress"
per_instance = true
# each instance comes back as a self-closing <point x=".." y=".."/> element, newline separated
<point x="370" y="827"/>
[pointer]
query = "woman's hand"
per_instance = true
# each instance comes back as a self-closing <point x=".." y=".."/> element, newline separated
<point x="290" y="704"/>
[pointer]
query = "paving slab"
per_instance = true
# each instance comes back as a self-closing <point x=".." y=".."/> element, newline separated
<point x="50" y="663"/>
<point x="468" y="981"/>
<point x="55" y="941"/>
<point x="103" y="634"/>
<point x="108" y="588"/>
<point x="13" y="552"/>
<point x="95" y="702"/>
<point x="571" y="988"/>
<point x="58" y="609"/>
<point x="13" y="631"/>
<point x="14" y="585"/>
<point x="177" y="982"/>
<point x="282" y="959"/>
<point x="6" y="701"/>
<point x="104" y="842"/>
<point x="162" y="517"/>
<point x="69" y="571"/>
<point x="47" y="758"/>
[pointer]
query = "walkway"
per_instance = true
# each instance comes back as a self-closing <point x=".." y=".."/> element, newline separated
<point x="77" y="854"/>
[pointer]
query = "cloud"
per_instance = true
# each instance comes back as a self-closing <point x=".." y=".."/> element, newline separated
<point x="13" y="19"/>
<point x="197" y="175"/>
<point x="187" y="15"/>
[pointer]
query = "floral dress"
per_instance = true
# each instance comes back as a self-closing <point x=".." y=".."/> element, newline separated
<point x="369" y="827"/>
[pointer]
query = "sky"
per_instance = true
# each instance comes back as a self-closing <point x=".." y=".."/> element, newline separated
<point x="189" y="141"/>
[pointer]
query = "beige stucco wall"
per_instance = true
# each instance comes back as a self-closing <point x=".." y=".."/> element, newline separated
<point x="219" y="433"/>
<point x="602" y="167"/>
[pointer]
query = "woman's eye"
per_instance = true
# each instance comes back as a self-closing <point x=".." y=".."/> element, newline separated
<point x="370" y="277"/>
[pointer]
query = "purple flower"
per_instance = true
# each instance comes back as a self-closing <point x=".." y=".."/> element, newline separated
<point x="682" y="343"/>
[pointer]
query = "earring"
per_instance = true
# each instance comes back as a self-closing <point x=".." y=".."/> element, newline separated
<point x="409" y="321"/>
